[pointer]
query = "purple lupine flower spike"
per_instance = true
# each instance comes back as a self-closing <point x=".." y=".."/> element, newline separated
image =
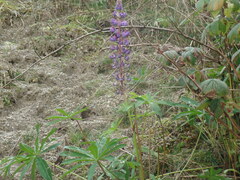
<point x="120" y="53"/>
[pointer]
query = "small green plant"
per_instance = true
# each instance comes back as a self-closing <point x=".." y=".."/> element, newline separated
<point x="213" y="174"/>
<point x="30" y="158"/>
<point x="97" y="154"/>
<point x="68" y="116"/>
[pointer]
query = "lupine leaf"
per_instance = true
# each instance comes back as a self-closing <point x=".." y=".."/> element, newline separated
<point x="26" y="148"/>
<point x="51" y="147"/>
<point x="91" y="171"/>
<point x="44" y="169"/>
<point x="62" y="112"/>
<point x="44" y="140"/>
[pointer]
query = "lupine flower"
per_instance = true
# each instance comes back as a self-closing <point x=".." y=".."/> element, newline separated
<point x="121" y="53"/>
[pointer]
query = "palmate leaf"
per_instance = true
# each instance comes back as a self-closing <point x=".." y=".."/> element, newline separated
<point x="43" y="168"/>
<point x="110" y="144"/>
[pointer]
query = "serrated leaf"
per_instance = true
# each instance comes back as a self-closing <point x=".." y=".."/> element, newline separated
<point x="44" y="169"/>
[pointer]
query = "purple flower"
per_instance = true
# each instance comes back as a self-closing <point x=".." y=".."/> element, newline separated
<point x="115" y="14"/>
<point x="127" y="51"/>
<point x="125" y="34"/>
<point x="123" y="14"/>
<point x="112" y="47"/>
<point x="112" y="29"/>
<point x="121" y="54"/>
<point x="113" y="38"/>
<point x="118" y="34"/>
<point x="113" y="56"/>
<point x="119" y="5"/>
<point x="126" y="42"/>
<point x="123" y="23"/>
<point x="114" y="22"/>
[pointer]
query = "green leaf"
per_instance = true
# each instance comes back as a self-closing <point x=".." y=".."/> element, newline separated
<point x="200" y="4"/>
<point x="236" y="57"/>
<point x="44" y="169"/>
<point x="236" y="4"/>
<point x="51" y="147"/>
<point x="189" y="101"/>
<point x="203" y="105"/>
<point x="62" y="112"/>
<point x="36" y="147"/>
<point x="215" y="5"/>
<point x="25" y="170"/>
<point x="44" y="140"/>
<point x="216" y="107"/>
<point x="26" y="148"/>
<point x="91" y="171"/>
<point x="79" y="150"/>
<point x="70" y="161"/>
<point x="155" y="108"/>
<point x="33" y="170"/>
<point x="234" y="34"/>
<point x="94" y="150"/>
<point x="115" y="148"/>
<point x="78" y="112"/>
<point x="75" y="154"/>
<point x="188" y="113"/>
<point x="21" y="167"/>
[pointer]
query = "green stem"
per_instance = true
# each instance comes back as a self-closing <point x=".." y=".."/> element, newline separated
<point x="136" y="144"/>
